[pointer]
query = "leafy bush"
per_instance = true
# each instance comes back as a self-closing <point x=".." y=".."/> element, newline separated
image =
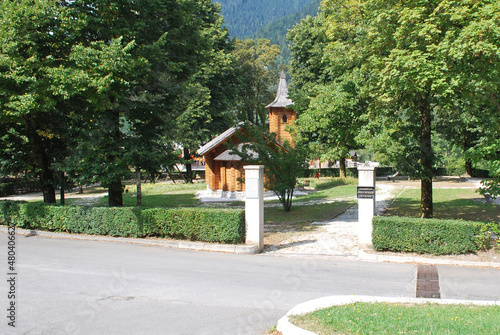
<point x="432" y="236"/>
<point x="200" y="224"/>
<point x="207" y="224"/>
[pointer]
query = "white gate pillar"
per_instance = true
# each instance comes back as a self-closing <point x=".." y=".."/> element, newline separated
<point x="366" y="204"/>
<point x="254" y="205"/>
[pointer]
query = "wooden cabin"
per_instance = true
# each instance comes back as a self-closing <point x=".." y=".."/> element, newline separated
<point x="224" y="171"/>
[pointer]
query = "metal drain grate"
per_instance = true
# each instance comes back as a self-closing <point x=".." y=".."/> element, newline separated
<point x="428" y="282"/>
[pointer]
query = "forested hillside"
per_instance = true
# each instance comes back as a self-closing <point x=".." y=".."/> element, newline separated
<point x="244" y="17"/>
<point x="276" y="31"/>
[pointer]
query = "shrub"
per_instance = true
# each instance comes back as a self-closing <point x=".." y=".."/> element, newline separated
<point x="200" y="224"/>
<point x="432" y="236"/>
<point x="207" y="224"/>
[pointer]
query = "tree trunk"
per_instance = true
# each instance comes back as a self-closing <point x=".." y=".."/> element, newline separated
<point x="468" y="168"/>
<point x="189" y="170"/>
<point x="342" y="167"/>
<point x="139" y="190"/>
<point x="62" y="201"/>
<point x="40" y="162"/>
<point x="115" y="189"/>
<point x="426" y="210"/>
<point x="468" y="162"/>
<point x="62" y="181"/>
<point x="115" y="193"/>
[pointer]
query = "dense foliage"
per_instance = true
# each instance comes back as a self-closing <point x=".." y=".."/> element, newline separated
<point x="209" y="225"/>
<point x="283" y="162"/>
<point x="243" y="18"/>
<point x="96" y="89"/>
<point x="383" y="74"/>
<point x="438" y="237"/>
<point x="276" y="31"/>
<point x="256" y="73"/>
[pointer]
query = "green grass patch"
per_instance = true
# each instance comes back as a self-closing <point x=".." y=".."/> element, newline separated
<point x="330" y="188"/>
<point x="305" y="214"/>
<point x="463" y="204"/>
<point x="164" y="195"/>
<point x="153" y="195"/>
<point x="384" y="318"/>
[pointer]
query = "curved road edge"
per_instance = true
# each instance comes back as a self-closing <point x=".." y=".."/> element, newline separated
<point x="287" y="328"/>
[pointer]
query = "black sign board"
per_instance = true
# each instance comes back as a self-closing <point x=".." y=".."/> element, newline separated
<point x="366" y="192"/>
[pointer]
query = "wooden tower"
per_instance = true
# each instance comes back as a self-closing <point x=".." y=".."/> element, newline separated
<point x="281" y="117"/>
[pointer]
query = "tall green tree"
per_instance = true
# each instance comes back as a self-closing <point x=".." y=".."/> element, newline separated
<point x="35" y="40"/>
<point x="256" y="72"/>
<point x="206" y="90"/>
<point x="475" y="52"/>
<point x="411" y="63"/>
<point x="413" y="75"/>
<point x="327" y="83"/>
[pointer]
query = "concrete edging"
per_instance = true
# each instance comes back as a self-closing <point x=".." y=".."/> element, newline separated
<point x="200" y="246"/>
<point x="287" y="328"/>
<point x="422" y="260"/>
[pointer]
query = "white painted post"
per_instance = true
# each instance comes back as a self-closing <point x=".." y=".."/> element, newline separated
<point x="254" y="205"/>
<point x="366" y="204"/>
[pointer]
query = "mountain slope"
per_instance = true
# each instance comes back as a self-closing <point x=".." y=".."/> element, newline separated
<point x="244" y="17"/>
<point x="276" y="31"/>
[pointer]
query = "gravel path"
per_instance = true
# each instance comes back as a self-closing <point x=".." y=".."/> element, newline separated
<point x="336" y="237"/>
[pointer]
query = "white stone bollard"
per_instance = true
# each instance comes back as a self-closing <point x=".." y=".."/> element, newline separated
<point x="254" y="205"/>
<point x="366" y="204"/>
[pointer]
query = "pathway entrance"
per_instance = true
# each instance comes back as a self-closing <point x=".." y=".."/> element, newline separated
<point x="336" y="237"/>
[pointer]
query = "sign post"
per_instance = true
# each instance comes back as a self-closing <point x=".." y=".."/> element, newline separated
<point x="254" y="205"/>
<point x="366" y="204"/>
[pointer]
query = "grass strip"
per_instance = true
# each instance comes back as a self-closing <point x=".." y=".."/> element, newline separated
<point x="386" y="318"/>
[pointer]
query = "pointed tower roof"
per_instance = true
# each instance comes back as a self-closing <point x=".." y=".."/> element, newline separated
<point x="281" y="99"/>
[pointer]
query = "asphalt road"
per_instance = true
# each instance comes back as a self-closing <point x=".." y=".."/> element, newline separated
<point x="87" y="287"/>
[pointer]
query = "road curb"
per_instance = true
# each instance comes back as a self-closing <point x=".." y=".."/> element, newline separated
<point x="363" y="255"/>
<point x="287" y="328"/>
<point x="200" y="246"/>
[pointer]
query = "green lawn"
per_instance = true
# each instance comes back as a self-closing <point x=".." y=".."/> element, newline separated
<point x="153" y="195"/>
<point x="306" y="214"/>
<point x="383" y="318"/>
<point x="330" y="188"/>
<point x="338" y="193"/>
<point x="457" y="203"/>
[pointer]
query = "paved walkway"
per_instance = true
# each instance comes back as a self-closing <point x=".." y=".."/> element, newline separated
<point x="336" y="237"/>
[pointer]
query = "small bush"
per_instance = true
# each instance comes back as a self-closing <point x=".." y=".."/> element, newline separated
<point x="207" y="224"/>
<point x="198" y="224"/>
<point x="431" y="236"/>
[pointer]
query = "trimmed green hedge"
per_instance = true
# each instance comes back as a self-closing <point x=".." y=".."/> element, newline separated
<point x="430" y="236"/>
<point x="205" y="224"/>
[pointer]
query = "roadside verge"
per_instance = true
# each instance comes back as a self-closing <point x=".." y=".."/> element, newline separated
<point x="287" y="328"/>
